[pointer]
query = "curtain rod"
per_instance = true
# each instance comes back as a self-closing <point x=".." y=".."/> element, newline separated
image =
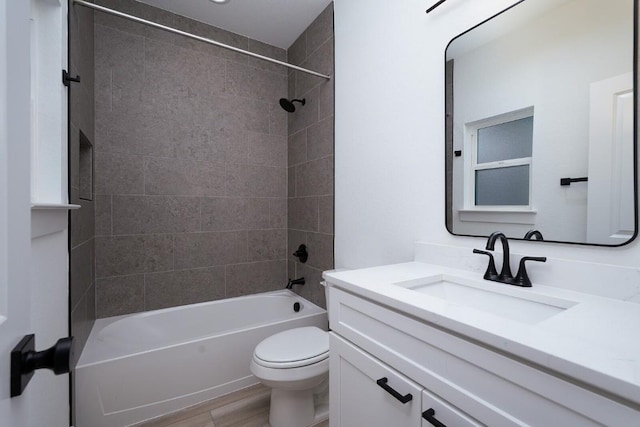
<point x="193" y="36"/>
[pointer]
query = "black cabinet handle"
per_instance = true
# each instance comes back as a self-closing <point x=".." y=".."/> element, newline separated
<point x="382" y="382"/>
<point x="429" y="415"/>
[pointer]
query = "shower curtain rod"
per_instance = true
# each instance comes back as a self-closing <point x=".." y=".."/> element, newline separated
<point x="193" y="36"/>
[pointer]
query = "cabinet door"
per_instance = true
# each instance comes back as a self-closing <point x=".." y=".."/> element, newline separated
<point x="357" y="398"/>
<point x="438" y="413"/>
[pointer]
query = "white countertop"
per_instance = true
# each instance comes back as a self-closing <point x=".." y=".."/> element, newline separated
<point x="596" y="341"/>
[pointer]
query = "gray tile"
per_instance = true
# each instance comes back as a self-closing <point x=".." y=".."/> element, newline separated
<point x="170" y="66"/>
<point x="213" y="33"/>
<point x="326" y="99"/>
<point x="74" y="155"/>
<point x="81" y="105"/>
<point x="250" y="111"/>
<point x="81" y="267"/>
<point x="155" y="214"/>
<point x="117" y="173"/>
<point x="194" y="250"/>
<point x="123" y="255"/>
<point x="235" y="213"/>
<point x="175" y="288"/>
<point x="103" y="215"/>
<point x="265" y="245"/>
<point x="291" y="269"/>
<point x="297" y="52"/>
<point x="306" y="115"/>
<point x="119" y="295"/>
<point x="91" y="303"/>
<point x="320" y="247"/>
<point x="183" y="177"/>
<point x="277" y="120"/>
<point x="315" y="178"/>
<point x="298" y="148"/>
<point x="320" y="139"/>
<point x="81" y="325"/>
<point x="139" y="9"/>
<point x="223" y="138"/>
<point x="256" y="181"/>
<point x="267" y="150"/>
<point x="303" y="213"/>
<point x="312" y="290"/>
<point x="82" y="225"/>
<point x="320" y="30"/>
<point x="320" y="61"/>
<point x="295" y="238"/>
<point x="278" y="213"/>
<point x="246" y="81"/>
<point x="119" y="58"/>
<point x="269" y="51"/>
<point x="251" y="278"/>
<point x="291" y="181"/>
<point x="140" y="129"/>
<point x="325" y="214"/>
<point x="291" y="86"/>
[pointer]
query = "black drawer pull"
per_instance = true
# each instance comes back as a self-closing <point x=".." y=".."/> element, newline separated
<point x="382" y="382"/>
<point x="429" y="415"/>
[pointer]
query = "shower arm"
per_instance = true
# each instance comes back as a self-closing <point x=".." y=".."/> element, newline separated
<point x="195" y="37"/>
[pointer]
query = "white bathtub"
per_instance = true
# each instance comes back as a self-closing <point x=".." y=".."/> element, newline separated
<point x="141" y="366"/>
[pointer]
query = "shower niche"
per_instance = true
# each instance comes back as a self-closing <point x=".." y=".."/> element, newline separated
<point x="85" y="167"/>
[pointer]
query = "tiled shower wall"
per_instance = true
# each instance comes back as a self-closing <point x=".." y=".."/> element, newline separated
<point x="191" y="165"/>
<point x="82" y="230"/>
<point x="310" y="156"/>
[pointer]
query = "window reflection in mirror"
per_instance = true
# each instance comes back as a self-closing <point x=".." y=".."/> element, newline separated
<point x="570" y="62"/>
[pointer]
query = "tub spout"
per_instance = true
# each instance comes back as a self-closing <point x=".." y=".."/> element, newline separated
<point x="299" y="281"/>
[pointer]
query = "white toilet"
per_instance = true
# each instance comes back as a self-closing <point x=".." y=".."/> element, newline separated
<point x="295" y="364"/>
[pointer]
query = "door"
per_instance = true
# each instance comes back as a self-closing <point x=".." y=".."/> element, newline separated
<point x="610" y="197"/>
<point x="33" y="242"/>
<point x="366" y="392"/>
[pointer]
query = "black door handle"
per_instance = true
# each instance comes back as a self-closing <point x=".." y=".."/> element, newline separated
<point x="25" y="360"/>
<point x="382" y="382"/>
<point x="429" y="415"/>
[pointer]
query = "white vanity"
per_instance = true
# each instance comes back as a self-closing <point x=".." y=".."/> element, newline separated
<point x="473" y="352"/>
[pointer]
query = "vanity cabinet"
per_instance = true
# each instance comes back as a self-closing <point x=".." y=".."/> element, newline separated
<point x="464" y="382"/>
<point x="359" y="396"/>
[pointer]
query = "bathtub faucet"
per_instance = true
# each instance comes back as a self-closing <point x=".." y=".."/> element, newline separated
<point x="299" y="281"/>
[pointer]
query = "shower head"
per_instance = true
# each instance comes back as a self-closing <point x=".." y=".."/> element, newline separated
<point x="288" y="105"/>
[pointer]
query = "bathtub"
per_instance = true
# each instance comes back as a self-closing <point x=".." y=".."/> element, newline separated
<point x="141" y="366"/>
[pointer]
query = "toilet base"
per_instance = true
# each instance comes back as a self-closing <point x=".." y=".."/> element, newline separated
<point x="291" y="408"/>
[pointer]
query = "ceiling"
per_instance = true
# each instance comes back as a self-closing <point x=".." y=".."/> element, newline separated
<point x="275" y="22"/>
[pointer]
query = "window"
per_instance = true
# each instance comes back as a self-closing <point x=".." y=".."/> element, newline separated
<point x="500" y="172"/>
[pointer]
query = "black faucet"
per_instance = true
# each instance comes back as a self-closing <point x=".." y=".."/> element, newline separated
<point x="505" y="276"/>
<point x="533" y="233"/>
<point x="299" y="281"/>
<point x="505" y="273"/>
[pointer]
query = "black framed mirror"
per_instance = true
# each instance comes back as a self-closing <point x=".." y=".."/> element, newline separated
<point x="541" y="123"/>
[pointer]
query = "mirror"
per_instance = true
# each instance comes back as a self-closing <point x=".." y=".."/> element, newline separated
<point x="540" y="123"/>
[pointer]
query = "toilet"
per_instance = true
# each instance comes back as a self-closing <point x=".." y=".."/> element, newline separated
<point x="295" y="364"/>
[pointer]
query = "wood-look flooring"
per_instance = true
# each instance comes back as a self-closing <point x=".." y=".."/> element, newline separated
<point x="248" y="407"/>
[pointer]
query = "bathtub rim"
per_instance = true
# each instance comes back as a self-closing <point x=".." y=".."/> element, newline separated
<point x="102" y="323"/>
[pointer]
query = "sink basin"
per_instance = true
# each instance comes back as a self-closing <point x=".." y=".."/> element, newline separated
<point x="513" y="304"/>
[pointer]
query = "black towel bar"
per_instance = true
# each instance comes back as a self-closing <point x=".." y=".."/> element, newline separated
<point x="568" y="181"/>
<point x="435" y="5"/>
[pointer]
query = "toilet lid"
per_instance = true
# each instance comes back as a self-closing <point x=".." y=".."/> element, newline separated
<point x="293" y="348"/>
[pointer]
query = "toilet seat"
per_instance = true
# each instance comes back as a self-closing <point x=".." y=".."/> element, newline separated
<point x="293" y="348"/>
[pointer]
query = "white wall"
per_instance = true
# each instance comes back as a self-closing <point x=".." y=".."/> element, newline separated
<point x="390" y="133"/>
<point x="548" y="64"/>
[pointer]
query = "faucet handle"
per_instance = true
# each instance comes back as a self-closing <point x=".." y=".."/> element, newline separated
<point x="491" y="273"/>
<point x="522" y="278"/>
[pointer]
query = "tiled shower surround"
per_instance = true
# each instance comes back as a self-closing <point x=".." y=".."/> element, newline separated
<point x="192" y="158"/>
<point x="310" y="155"/>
